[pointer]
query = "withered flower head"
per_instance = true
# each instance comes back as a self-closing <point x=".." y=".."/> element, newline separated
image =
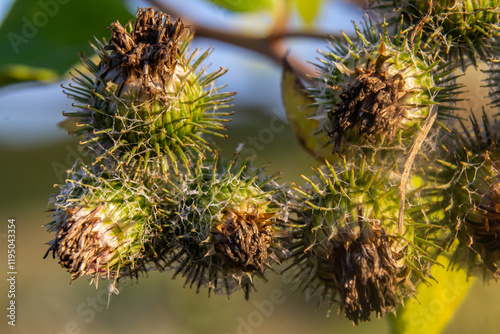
<point x="147" y="102"/>
<point x="349" y="250"/>
<point x="374" y="91"/>
<point x="243" y="238"/>
<point x="474" y="173"/>
<point x="148" y="53"/>
<point x="229" y="228"/>
<point x="81" y="243"/>
<point x="366" y="269"/>
<point x="374" y="103"/>
<point x="103" y="226"/>
<point x="482" y="226"/>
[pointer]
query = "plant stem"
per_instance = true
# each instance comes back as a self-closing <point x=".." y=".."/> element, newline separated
<point x="270" y="45"/>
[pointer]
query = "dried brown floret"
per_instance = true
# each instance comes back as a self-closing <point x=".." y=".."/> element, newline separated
<point x="373" y="102"/>
<point x="243" y="239"/>
<point x="482" y="227"/>
<point x="366" y="270"/>
<point x="78" y="243"/>
<point x="149" y="51"/>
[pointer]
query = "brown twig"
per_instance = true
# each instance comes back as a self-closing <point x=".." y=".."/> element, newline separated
<point x="271" y="45"/>
<point x="421" y="137"/>
<point x="420" y="24"/>
<point x="409" y="163"/>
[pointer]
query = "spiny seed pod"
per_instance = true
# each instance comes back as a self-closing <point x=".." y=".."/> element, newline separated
<point x="465" y="29"/>
<point x="349" y="250"/>
<point x="103" y="226"/>
<point x="473" y="171"/>
<point x="493" y="83"/>
<point x="228" y="228"/>
<point x="147" y="99"/>
<point x="373" y="93"/>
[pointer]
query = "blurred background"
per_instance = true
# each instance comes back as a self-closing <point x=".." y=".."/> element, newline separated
<point x="35" y="153"/>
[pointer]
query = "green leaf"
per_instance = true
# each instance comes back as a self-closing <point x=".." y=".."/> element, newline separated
<point x="48" y="35"/>
<point x="308" y="9"/>
<point x="435" y="305"/>
<point x="10" y="74"/>
<point x="296" y="102"/>
<point x="244" y="5"/>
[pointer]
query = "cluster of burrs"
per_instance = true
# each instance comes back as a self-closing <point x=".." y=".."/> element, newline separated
<point x="402" y="179"/>
<point x="155" y="195"/>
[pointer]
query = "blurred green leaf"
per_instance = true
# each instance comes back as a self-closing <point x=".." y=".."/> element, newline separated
<point x="244" y="5"/>
<point x="297" y="102"/>
<point x="10" y="74"/>
<point x="436" y="304"/>
<point x="50" y="34"/>
<point x="308" y="9"/>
